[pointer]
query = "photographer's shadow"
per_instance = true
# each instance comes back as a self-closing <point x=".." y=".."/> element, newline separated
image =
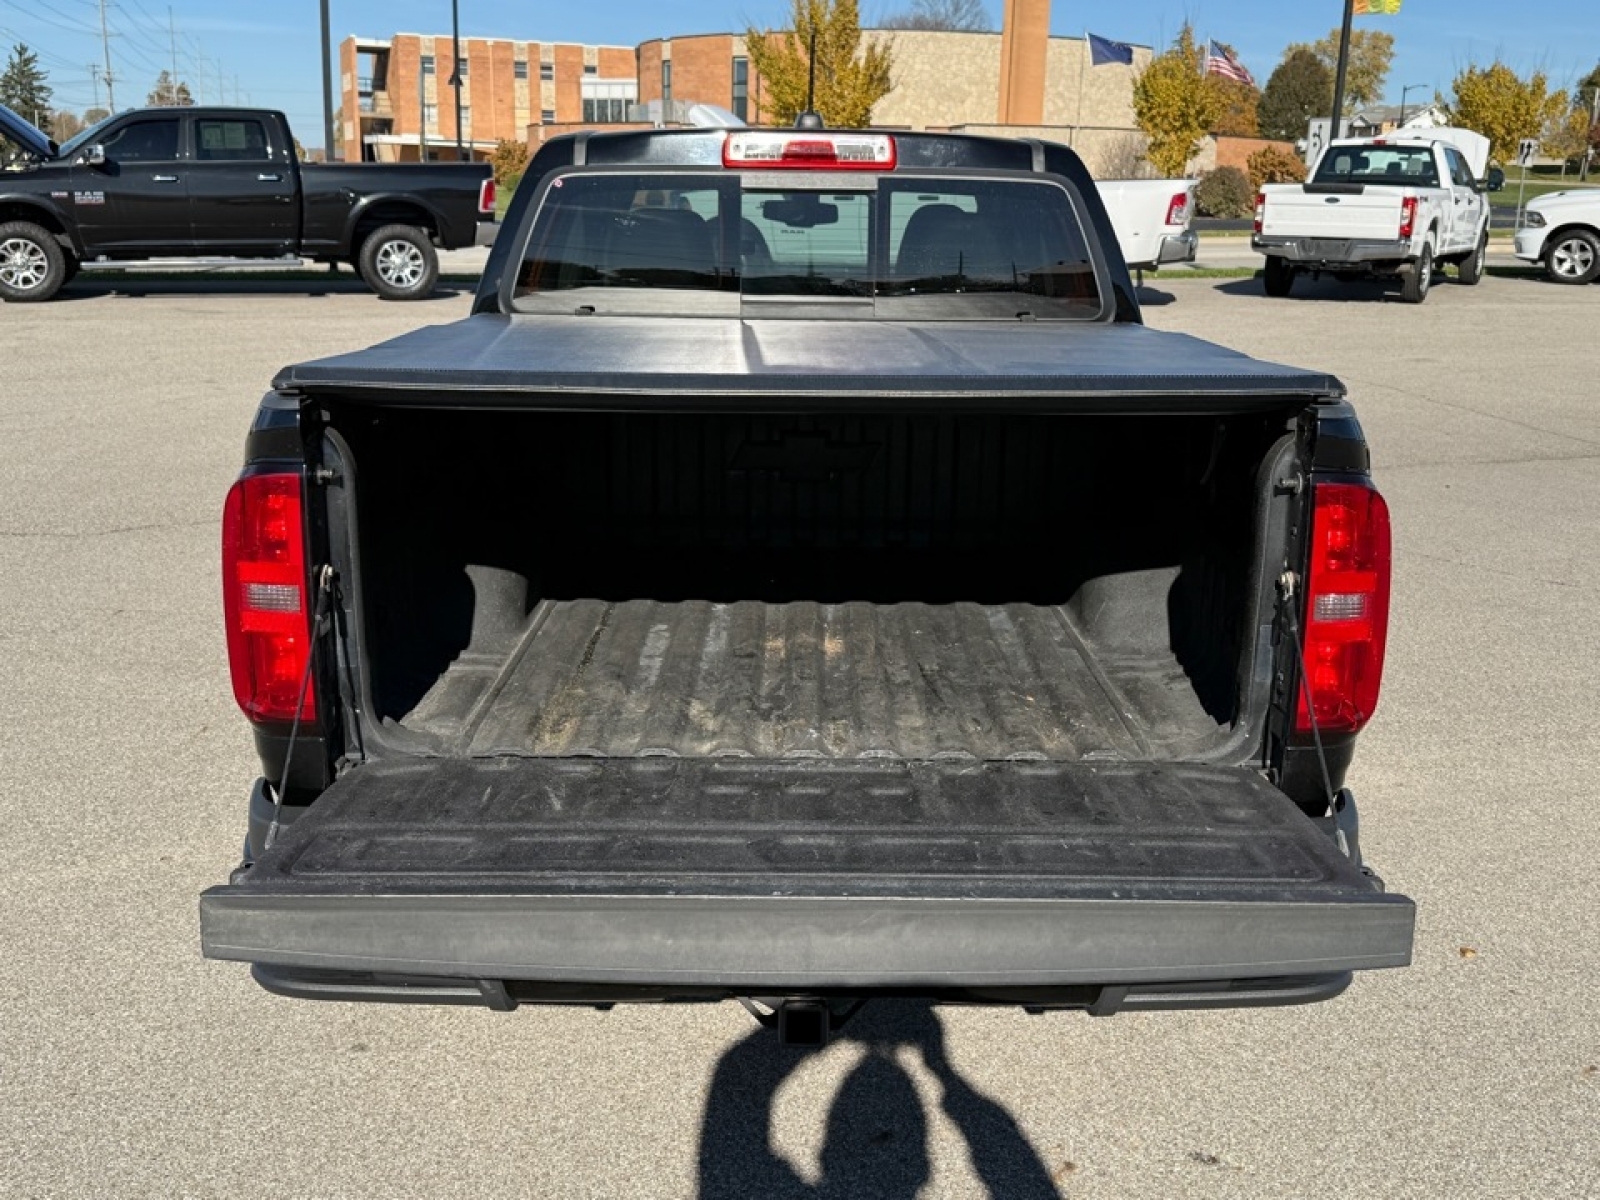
<point x="877" y="1136"/>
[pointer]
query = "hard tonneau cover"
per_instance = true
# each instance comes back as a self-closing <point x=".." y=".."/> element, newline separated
<point x="528" y="356"/>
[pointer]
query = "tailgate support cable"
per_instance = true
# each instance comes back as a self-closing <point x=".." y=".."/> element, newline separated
<point x="1286" y="588"/>
<point x="1341" y="803"/>
<point x="319" y="618"/>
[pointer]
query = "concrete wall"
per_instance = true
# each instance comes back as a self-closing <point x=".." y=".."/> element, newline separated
<point x="939" y="78"/>
<point x="1079" y="93"/>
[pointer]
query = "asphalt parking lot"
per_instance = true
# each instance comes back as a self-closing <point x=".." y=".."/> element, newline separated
<point x="132" y="1068"/>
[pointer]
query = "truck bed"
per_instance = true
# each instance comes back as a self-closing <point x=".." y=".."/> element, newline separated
<point x="856" y="680"/>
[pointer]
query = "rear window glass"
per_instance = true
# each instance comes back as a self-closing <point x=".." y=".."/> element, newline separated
<point x="957" y="248"/>
<point x="1403" y="165"/>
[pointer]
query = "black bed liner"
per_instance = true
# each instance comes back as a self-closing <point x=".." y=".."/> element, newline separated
<point x="806" y="875"/>
<point x="531" y="360"/>
<point x="803" y="679"/>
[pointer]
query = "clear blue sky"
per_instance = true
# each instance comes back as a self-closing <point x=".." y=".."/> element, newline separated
<point x="269" y="54"/>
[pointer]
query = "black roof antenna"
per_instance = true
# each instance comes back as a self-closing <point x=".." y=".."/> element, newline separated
<point x="809" y="119"/>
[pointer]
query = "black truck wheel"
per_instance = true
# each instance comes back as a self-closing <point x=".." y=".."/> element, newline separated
<point x="1471" y="269"/>
<point x="1417" y="277"/>
<point x="1573" y="256"/>
<point x="1279" y="276"/>
<point x="399" y="263"/>
<point x="33" y="266"/>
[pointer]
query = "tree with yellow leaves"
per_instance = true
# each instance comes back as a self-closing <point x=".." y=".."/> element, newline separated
<point x="1371" y="52"/>
<point x="1236" y="103"/>
<point x="1173" y="105"/>
<point x="851" y="78"/>
<point x="1498" y="103"/>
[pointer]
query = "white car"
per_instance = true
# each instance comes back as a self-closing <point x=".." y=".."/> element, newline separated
<point x="1151" y="218"/>
<point x="1562" y="230"/>
<point x="1397" y="206"/>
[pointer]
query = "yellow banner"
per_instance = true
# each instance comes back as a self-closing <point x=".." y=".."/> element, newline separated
<point x="1376" y="8"/>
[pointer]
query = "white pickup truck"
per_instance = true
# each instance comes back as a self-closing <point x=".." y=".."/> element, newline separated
<point x="1389" y="207"/>
<point x="1151" y="219"/>
<point x="1562" y="230"/>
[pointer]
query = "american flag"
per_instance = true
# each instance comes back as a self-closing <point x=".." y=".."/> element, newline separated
<point x="1219" y="61"/>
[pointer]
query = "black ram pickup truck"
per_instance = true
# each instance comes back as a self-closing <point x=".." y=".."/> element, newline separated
<point x="803" y="578"/>
<point x="222" y="183"/>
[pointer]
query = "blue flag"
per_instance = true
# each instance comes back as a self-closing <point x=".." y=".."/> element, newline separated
<point x="1103" y="50"/>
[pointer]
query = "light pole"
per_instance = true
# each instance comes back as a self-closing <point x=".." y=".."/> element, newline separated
<point x="455" y="70"/>
<point x="1339" y="73"/>
<point x="1404" y="92"/>
<point x="327" y="86"/>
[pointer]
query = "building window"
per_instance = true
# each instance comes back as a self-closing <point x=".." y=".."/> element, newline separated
<point x="466" y="121"/>
<point x="605" y="111"/>
<point x="547" y="116"/>
<point x="427" y="64"/>
<point x="741" y="88"/>
<point x="547" y="70"/>
<point x="666" y="86"/>
<point x="430" y="117"/>
<point x="590" y="69"/>
<point x="520" y="68"/>
<point x="462" y="64"/>
<point x="607" y="101"/>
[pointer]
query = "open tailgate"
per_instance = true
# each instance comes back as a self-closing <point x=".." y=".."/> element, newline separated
<point x="756" y="876"/>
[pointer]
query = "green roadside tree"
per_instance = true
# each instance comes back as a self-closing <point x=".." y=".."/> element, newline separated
<point x="1299" y="89"/>
<point x="24" y="88"/>
<point x="169" y="93"/>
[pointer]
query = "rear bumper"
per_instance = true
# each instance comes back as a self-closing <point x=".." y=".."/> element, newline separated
<point x="1332" y="252"/>
<point x="486" y="233"/>
<point x="548" y="877"/>
<point x="1171" y="248"/>
<point x="1179" y="248"/>
<point x="805" y="943"/>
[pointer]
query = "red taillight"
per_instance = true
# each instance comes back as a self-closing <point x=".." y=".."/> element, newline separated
<point x="809" y="149"/>
<point x="1261" y="209"/>
<point x="1347" y="606"/>
<point x="1178" y="209"/>
<point x="487" y="196"/>
<point x="1408" y="216"/>
<point x="264" y="597"/>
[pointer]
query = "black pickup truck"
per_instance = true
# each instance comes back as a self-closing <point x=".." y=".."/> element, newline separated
<point x="222" y="183"/>
<point x="803" y="578"/>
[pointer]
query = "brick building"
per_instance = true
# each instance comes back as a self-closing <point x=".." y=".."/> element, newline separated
<point x="398" y="102"/>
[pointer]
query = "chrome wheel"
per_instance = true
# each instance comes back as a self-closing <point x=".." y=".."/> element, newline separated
<point x="23" y="264"/>
<point x="1572" y="258"/>
<point x="400" y="264"/>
